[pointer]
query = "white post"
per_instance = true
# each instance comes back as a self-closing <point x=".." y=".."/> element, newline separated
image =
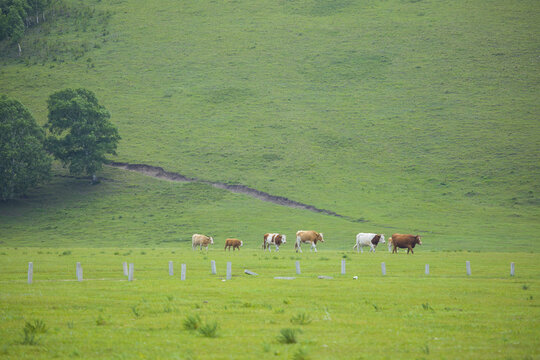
<point x="342" y="266"/>
<point x="131" y="271"/>
<point x="171" y="270"/>
<point x="297" y="267"/>
<point x="125" y="268"/>
<point x="229" y="270"/>
<point x="79" y="272"/>
<point x="468" y="266"/>
<point x="30" y="272"/>
<point x="427" y="269"/>
<point x="213" y="265"/>
<point x="183" y="273"/>
<point x="512" y="269"/>
<point x="383" y="268"/>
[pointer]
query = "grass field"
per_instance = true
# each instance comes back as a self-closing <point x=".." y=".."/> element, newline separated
<point x="405" y="314"/>
<point x="415" y="116"/>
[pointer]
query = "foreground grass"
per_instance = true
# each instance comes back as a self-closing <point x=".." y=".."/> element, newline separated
<point x="404" y="314"/>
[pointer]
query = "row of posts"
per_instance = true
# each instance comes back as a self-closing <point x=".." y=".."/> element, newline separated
<point x="129" y="270"/>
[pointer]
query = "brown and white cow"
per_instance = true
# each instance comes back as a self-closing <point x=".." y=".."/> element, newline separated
<point x="234" y="243"/>
<point x="308" y="237"/>
<point x="201" y="240"/>
<point x="368" y="239"/>
<point x="273" y="239"/>
<point x="405" y="241"/>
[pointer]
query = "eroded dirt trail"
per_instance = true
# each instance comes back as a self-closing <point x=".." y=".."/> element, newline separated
<point x="160" y="173"/>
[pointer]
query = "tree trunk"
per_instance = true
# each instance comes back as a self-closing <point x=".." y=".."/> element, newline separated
<point x="20" y="50"/>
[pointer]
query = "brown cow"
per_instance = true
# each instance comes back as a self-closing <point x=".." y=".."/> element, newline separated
<point x="308" y="237"/>
<point x="405" y="241"/>
<point x="234" y="243"/>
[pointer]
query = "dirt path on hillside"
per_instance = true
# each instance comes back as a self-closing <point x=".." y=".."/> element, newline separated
<point x="158" y="172"/>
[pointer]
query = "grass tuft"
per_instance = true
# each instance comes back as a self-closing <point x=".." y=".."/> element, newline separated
<point x="192" y="322"/>
<point x="288" y="336"/>
<point x="209" y="329"/>
<point x="301" y="319"/>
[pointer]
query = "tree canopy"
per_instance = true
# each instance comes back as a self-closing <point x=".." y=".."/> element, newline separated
<point x="23" y="160"/>
<point x="80" y="131"/>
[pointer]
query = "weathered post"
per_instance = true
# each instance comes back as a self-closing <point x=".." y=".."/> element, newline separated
<point x="30" y="272"/>
<point x="79" y="272"/>
<point x="468" y="266"/>
<point x="130" y="272"/>
<point x="342" y="266"/>
<point x="125" y="268"/>
<point x="183" y="273"/>
<point x="213" y="265"/>
<point x="297" y="267"/>
<point x="229" y="270"/>
<point x="383" y="268"/>
<point x="512" y="269"/>
<point x="171" y="270"/>
<point x="427" y="269"/>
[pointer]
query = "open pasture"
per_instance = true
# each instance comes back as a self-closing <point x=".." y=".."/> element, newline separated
<point x="405" y="314"/>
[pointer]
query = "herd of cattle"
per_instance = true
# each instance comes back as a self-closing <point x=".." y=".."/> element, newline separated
<point x="402" y="241"/>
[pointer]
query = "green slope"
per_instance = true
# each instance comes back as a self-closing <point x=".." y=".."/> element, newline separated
<point x="417" y="116"/>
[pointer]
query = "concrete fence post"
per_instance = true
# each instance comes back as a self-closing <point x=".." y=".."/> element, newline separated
<point x="125" y="268"/>
<point x="512" y="269"/>
<point x="427" y="269"/>
<point x="30" y="272"/>
<point x="131" y="271"/>
<point x="468" y="266"/>
<point x="183" y="273"/>
<point x="342" y="266"/>
<point x="171" y="268"/>
<point x="297" y="263"/>
<point x="383" y="268"/>
<point x="79" y="272"/>
<point x="229" y="270"/>
<point x="213" y="265"/>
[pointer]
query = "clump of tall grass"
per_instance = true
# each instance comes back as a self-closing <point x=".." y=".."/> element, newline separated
<point x="31" y="330"/>
<point x="288" y="336"/>
<point x="192" y="322"/>
<point x="300" y="354"/>
<point x="301" y="319"/>
<point x="209" y="329"/>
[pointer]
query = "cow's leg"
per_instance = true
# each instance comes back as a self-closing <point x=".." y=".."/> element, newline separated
<point x="277" y="248"/>
<point x="362" y="248"/>
<point x="412" y="251"/>
<point x="314" y="247"/>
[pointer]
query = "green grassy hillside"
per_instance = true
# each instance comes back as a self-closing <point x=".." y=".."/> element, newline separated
<point x="417" y="116"/>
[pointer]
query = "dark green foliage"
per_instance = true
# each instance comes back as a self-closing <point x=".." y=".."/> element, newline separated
<point x="301" y="319"/>
<point x="31" y="330"/>
<point x="23" y="161"/>
<point x="81" y="133"/>
<point x="288" y="336"/>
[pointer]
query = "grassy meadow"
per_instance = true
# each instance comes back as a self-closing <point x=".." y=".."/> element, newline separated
<point x="415" y="116"/>
<point x="405" y="314"/>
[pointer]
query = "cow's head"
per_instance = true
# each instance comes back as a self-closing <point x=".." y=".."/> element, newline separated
<point x="283" y="239"/>
<point x="211" y="240"/>
<point x="241" y="243"/>
<point x="320" y="237"/>
<point x="382" y="239"/>
<point x="417" y="240"/>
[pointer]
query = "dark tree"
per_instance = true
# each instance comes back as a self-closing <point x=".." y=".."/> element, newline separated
<point x="23" y="160"/>
<point x="81" y="133"/>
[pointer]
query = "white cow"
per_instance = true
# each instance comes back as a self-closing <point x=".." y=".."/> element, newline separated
<point x="201" y="240"/>
<point x="368" y="239"/>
